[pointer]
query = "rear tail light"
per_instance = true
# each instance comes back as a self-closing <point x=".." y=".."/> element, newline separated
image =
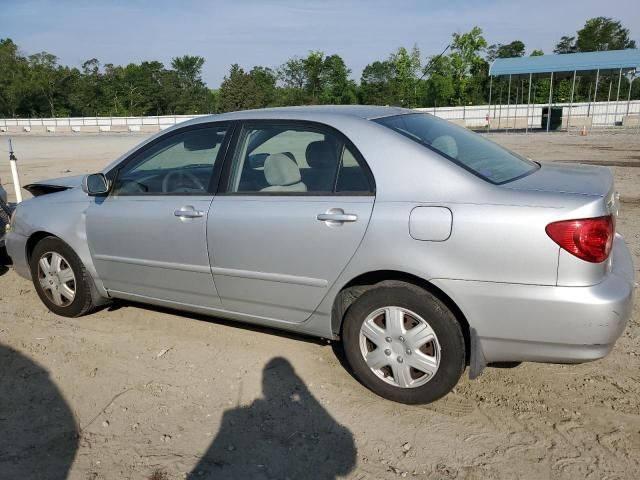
<point x="587" y="238"/>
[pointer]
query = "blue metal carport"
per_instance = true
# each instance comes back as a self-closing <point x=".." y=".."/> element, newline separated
<point x="622" y="61"/>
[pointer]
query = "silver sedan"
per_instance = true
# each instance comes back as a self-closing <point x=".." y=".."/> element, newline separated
<point x="423" y="247"/>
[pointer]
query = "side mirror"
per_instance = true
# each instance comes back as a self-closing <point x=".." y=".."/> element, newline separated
<point x="95" y="184"/>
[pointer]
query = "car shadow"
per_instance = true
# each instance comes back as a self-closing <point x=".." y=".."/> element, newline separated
<point x="38" y="431"/>
<point x="5" y="261"/>
<point x="284" y="434"/>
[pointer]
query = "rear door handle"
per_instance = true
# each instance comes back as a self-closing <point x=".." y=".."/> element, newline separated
<point x="188" y="211"/>
<point x="335" y="216"/>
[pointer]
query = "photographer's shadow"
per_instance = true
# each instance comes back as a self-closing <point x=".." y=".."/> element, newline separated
<point x="285" y="434"/>
<point x="38" y="431"/>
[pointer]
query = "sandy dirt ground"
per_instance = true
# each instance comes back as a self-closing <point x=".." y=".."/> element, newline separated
<point x="133" y="392"/>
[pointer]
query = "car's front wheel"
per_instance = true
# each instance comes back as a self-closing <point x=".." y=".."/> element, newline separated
<point x="403" y="343"/>
<point x="60" y="278"/>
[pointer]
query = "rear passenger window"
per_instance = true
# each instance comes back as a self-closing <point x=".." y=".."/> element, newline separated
<point x="294" y="160"/>
<point x="352" y="177"/>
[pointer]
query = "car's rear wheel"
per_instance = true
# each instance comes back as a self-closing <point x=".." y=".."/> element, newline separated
<point x="403" y="343"/>
<point x="60" y="278"/>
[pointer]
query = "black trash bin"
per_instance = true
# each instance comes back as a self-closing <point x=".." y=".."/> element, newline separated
<point x="556" y="118"/>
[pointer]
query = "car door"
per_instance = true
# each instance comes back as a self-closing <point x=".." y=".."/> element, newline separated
<point x="295" y="206"/>
<point x="148" y="236"/>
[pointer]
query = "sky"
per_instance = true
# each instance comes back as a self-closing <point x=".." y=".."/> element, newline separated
<point x="267" y="33"/>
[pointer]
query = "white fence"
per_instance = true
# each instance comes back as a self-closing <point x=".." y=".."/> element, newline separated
<point x="92" y="124"/>
<point x="600" y="114"/>
<point x="576" y="116"/>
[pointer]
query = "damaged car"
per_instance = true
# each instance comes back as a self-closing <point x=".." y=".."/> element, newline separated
<point x="422" y="247"/>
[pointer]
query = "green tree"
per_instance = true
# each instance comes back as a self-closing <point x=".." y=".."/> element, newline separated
<point x="536" y="53"/>
<point x="603" y="33"/>
<point x="89" y="97"/>
<point x="46" y="84"/>
<point x="566" y="45"/>
<point x="313" y="70"/>
<point x="192" y="91"/>
<point x="13" y="67"/>
<point x="598" y="34"/>
<point x="338" y="89"/>
<point x="292" y="76"/>
<point x="265" y="80"/>
<point x="376" y="84"/>
<point x="438" y="89"/>
<point x="134" y="83"/>
<point x="189" y="69"/>
<point x="393" y="81"/>
<point x="466" y="60"/>
<point x="406" y="66"/>
<point x="239" y="91"/>
<point x="152" y="79"/>
<point x="509" y="50"/>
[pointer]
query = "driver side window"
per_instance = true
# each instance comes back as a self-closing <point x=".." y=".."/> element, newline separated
<point x="179" y="163"/>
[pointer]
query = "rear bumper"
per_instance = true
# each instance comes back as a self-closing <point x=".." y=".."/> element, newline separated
<point x="548" y="323"/>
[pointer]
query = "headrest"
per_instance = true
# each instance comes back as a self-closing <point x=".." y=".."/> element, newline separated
<point x="321" y="154"/>
<point x="446" y="144"/>
<point x="280" y="170"/>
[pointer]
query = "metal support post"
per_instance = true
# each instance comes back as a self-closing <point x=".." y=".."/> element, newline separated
<point x="573" y="88"/>
<point x="508" y="102"/>
<point x="550" y="99"/>
<point x="615" y="115"/>
<point x="606" y="111"/>
<point x="595" y="93"/>
<point x="526" y="128"/>
<point x="489" y="112"/>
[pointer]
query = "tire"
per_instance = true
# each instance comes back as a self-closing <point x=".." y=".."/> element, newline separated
<point x="422" y="318"/>
<point x="58" y="299"/>
<point x="5" y="215"/>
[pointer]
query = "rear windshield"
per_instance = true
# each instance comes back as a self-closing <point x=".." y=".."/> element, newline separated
<point x="469" y="150"/>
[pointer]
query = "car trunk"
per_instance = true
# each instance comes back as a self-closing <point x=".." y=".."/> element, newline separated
<point x="590" y="194"/>
<point x="567" y="178"/>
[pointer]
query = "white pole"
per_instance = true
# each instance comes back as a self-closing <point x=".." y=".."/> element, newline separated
<point x="13" y="161"/>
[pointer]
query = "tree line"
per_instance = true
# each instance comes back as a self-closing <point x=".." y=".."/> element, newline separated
<point x="38" y="86"/>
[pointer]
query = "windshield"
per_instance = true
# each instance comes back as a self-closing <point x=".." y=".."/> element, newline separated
<point x="467" y="149"/>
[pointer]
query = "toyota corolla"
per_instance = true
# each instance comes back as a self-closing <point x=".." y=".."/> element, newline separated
<point x="423" y="247"/>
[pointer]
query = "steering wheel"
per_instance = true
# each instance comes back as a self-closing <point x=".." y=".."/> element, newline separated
<point x="168" y="187"/>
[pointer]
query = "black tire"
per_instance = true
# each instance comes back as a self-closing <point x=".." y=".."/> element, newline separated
<point x="441" y="320"/>
<point x="5" y="215"/>
<point x="82" y="302"/>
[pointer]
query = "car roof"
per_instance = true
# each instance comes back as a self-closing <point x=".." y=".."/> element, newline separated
<point x="309" y="112"/>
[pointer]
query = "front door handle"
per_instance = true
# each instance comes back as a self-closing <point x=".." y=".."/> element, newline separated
<point x="188" y="211"/>
<point x="336" y="216"/>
